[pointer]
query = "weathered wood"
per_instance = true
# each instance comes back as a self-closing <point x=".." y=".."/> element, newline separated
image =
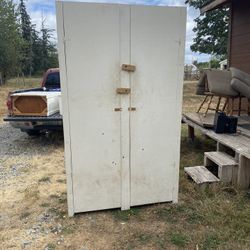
<point x="201" y="174"/>
<point x="213" y="5"/>
<point x="221" y="158"/>
<point x="203" y="102"/>
<point x="208" y="122"/>
<point x="235" y="170"/>
<point x="243" y="181"/>
<point x="239" y="143"/>
<point x="191" y="134"/>
<point x="225" y="163"/>
<point x="240" y="36"/>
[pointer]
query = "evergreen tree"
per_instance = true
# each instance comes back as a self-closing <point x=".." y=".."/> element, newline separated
<point x="26" y="30"/>
<point x="49" y="58"/>
<point x="10" y="40"/>
<point x="211" y="30"/>
<point x="37" y="51"/>
<point x="23" y="49"/>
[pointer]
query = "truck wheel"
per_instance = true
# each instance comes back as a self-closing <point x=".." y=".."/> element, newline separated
<point x="33" y="132"/>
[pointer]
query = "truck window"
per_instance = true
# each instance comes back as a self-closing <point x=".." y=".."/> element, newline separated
<point x="53" y="80"/>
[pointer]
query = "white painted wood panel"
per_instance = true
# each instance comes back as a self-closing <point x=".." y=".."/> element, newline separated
<point x="125" y="57"/>
<point x="92" y="60"/>
<point x="65" y="104"/>
<point x="157" y="49"/>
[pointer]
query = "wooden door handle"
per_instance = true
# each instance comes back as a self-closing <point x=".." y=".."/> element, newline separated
<point x="123" y="91"/>
<point x="128" y="67"/>
<point x="131" y="109"/>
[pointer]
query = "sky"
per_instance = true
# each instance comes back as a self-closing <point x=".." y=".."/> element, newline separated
<point x="46" y="9"/>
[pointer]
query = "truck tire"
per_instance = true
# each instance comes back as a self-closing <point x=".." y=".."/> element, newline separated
<point x="32" y="132"/>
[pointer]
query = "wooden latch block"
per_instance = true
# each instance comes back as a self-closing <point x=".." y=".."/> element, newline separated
<point x="128" y="67"/>
<point x="123" y="91"/>
<point x="117" y="109"/>
<point x="131" y="109"/>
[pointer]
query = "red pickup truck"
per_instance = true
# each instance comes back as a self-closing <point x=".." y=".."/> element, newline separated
<point x="34" y="125"/>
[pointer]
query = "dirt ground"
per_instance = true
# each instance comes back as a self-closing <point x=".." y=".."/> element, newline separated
<point x="33" y="207"/>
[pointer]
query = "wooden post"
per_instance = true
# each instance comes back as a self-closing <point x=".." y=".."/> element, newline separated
<point x="191" y="134"/>
<point x="239" y="107"/>
<point x="243" y="172"/>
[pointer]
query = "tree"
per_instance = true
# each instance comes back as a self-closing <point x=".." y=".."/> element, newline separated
<point x="23" y="49"/>
<point x="10" y="40"/>
<point x="37" y="51"/>
<point x="26" y="30"/>
<point x="211" y="30"/>
<point x="49" y="57"/>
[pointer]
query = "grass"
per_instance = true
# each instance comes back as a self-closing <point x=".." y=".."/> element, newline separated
<point x="211" y="242"/>
<point x="50" y="246"/>
<point x="24" y="215"/>
<point x="125" y="215"/>
<point x="178" y="239"/>
<point x="44" y="179"/>
<point x="217" y="218"/>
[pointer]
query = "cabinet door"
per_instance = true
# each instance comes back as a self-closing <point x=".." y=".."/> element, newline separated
<point x="93" y="53"/>
<point x="157" y="50"/>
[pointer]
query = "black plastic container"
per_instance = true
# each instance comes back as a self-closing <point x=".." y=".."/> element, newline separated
<point x="225" y="124"/>
<point x="231" y="124"/>
<point x="220" y="122"/>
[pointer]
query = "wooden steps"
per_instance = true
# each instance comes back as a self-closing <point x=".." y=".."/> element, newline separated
<point x="201" y="175"/>
<point x="227" y="165"/>
<point x="236" y="169"/>
<point x="221" y="158"/>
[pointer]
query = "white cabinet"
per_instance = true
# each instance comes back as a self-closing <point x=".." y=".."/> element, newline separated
<point x="121" y="149"/>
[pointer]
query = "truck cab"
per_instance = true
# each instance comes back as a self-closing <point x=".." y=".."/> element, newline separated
<point x="34" y="125"/>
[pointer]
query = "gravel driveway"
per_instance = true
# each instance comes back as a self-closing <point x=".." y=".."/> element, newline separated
<point x="13" y="142"/>
<point x="31" y="173"/>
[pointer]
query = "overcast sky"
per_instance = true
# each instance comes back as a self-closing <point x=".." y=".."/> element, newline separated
<point x="46" y="8"/>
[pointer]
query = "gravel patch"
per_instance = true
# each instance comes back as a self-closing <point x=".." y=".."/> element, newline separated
<point x="13" y="142"/>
